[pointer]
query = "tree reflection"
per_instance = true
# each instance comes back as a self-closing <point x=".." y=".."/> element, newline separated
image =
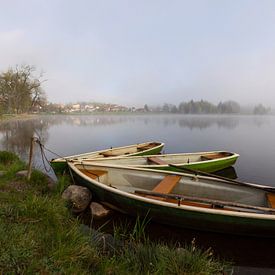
<point x="202" y="122"/>
<point x="185" y="121"/>
<point x="16" y="135"/>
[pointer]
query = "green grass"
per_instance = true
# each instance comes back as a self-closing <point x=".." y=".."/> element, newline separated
<point x="38" y="234"/>
<point x="139" y="255"/>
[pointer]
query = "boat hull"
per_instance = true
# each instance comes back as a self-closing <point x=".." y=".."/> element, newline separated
<point x="168" y="162"/>
<point x="203" y="166"/>
<point x="171" y="214"/>
<point x="60" y="165"/>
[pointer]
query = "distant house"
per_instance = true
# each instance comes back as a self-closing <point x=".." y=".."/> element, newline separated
<point x="89" y="108"/>
<point x="76" y="107"/>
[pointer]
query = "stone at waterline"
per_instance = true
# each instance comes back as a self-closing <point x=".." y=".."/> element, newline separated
<point x="79" y="197"/>
<point x="98" y="211"/>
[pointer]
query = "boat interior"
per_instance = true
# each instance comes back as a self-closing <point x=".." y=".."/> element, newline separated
<point x="186" y="158"/>
<point x="183" y="189"/>
<point x="129" y="150"/>
<point x="164" y="159"/>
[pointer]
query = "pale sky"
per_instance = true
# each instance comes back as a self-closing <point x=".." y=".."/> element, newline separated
<point x="144" y="51"/>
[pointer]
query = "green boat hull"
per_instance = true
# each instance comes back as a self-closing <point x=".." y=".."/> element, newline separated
<point x="202" y="166"/>
<point x="61" y="167"/>
<point x="176" y="216"/>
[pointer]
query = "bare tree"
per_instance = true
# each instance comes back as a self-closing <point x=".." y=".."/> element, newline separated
<point x="20" y="89"/>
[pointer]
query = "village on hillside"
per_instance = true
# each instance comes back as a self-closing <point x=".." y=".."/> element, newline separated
<point x="89" y="108"/>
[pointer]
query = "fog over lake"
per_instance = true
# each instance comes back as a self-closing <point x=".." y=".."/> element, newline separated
<point x="250" y="136"/>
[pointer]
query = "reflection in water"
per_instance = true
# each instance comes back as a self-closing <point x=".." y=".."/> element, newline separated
<point x="86" y="120"/>
<point x="84" y="133"/>
<point x="241" y="250"/>
<point x="16" y="135"/>
<point x="260" y="120"/>
<point x="184" y="121"/>
<point x="228" y="172"/>
<point x="208" y="121"/>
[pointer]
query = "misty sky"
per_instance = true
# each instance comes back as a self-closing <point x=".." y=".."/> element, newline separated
<point x="144" y="51"/>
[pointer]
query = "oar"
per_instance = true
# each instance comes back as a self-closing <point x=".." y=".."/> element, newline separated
<point x="237" y="182"/>
<point x="205" y="200"/>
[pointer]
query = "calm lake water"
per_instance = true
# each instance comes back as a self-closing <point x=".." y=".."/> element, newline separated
<point x="253" y="137"/>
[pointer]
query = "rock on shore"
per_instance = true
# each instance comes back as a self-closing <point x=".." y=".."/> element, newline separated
<point x="79" y="196"/>
<point x="98" y="211"/>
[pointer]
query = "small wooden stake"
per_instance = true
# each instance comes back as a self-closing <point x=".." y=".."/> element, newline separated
<point x="30" y="158"/>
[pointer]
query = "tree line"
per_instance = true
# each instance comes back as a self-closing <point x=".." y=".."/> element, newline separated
<point x="199" y="107"/>
<point x="21" y="91"/>
<point x="205" y="107"/>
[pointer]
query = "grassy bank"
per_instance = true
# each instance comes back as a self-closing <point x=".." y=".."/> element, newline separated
<point x="38" y="234"/>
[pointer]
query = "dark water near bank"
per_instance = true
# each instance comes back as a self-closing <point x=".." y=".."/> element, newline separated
<point x="253" y="137"/>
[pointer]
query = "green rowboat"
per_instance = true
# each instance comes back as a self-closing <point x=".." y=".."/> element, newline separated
<point x="59" y="165"/>
<point x="184" y="200"/>
<point x="203" y="161"/>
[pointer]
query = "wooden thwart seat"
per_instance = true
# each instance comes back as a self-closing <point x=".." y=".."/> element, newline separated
<point x="156" y="160"/>
<point x="211" y="156"/>
<point x="109" y="154"/>
<point x="167" y="184"/>
<point x="93" y="174"/>
<point x="271" y="199"/>
<point x="215" y="156"/>
<point x="146" y="146"/>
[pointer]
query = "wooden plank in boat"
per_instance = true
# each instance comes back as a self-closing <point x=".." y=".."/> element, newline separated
<point x="215" y="203"/>
<point x="215" y="155"/>
<point x="182" y="202"/>
<point x="93" y="174"/>
<point x="156" y="160"/>
<point x="146" y="146"/>
<point x="271" y="199"/>
<point x="109" y="154"/>
<point x="211" y="156"/>
<point x="167" y="184"/>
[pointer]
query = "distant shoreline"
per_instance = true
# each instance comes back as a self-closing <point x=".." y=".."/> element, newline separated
<point x="155" y="113"/>
<point x="9" y="117"/>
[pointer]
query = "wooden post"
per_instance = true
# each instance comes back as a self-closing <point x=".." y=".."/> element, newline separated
<point x="30" y="158"/>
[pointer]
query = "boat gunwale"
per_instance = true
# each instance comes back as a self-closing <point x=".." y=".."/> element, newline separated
<point x="234" y="155"/>
<point x="160" y="145"/>
<point x="220" y="212"/>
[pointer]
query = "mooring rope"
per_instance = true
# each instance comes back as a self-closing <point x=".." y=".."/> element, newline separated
<point x="43" y="154"/>
<point x="44" y="159"/>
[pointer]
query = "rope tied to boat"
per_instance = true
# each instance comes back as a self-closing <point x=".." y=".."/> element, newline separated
<point x="44" y="158"/>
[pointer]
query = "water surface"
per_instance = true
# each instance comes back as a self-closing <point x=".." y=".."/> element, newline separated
<point x="253" y="137"/>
